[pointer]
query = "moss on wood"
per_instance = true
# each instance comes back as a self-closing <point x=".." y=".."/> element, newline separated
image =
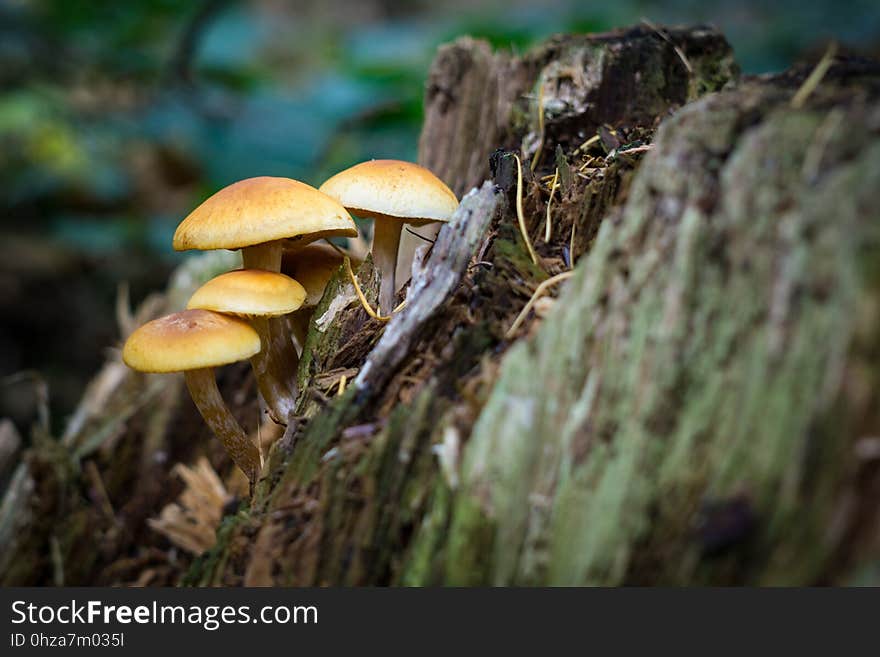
<point x="698" y="404"/>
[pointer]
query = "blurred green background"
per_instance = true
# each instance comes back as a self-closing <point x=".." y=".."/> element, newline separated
<point x="117" y="118"/>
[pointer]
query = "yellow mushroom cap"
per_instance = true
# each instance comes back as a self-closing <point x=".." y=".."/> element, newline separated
<point x="264" y="209"/>
<point x="312" y="266"/>
<point x="251" y="293"/>
<point x="392" y="189"/>
<point x="190" y="340"/>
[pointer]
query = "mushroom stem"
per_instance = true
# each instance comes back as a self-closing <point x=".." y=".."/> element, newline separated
<point x="263" y="256"/>
<point x="206" y="396"/>
<point x="298" y="322"/>
<point x="386" y="240"/>
<point x="411" y="238"/>
<point x="275" y="367"/>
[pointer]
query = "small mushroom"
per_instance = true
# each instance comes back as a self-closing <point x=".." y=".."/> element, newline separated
<point x="261" y="215"/>
<point x="313" y="266"/>
<point x="195" y="342"/>
<point x="262" y="297"/>
<point x="392" y="193"/>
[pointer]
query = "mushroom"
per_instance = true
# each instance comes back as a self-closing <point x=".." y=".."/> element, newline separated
<point x="259" y="215"/>
<point x="259" y="295"/>
<point x="313" y="266"/>
<point x="195" y="342"/>
<point x="392" y="193"/>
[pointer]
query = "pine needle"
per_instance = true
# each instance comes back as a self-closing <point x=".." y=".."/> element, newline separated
<point x="815" y="77"/>
<point x="553" y="280"/>
<point x="548" y="224"/>
<point x="519" y="210"/>
<point x="583" y="147"/>
<point x="360" y="295"/>
<point x="363" y="299"/>
<point x="678" y="51"/>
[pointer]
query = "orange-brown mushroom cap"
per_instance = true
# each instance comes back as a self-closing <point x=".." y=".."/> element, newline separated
<point x="189" y="340"/>
<point x="392" y="189"/>
<point x="259" y="210"/>
<point x="250" y="293"/>
<point x="312" y="266"/>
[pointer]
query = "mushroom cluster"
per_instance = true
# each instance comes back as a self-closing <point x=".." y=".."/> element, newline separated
<point x="261" y="312"/>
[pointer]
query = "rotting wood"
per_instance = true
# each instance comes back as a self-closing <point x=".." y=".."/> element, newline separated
<point x="694" y="408"/>
<point x="454" y="248"/>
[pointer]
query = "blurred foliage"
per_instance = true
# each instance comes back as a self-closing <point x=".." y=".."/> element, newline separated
<point x="117" y="118"/>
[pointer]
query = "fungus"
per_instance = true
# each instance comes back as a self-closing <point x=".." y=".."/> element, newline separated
<point x="259" y="296"/>
<point x="392" y="193"/>
<point x="312" y="266"/>
<point x="195" y="342"/>
<point x="260" y="216"/>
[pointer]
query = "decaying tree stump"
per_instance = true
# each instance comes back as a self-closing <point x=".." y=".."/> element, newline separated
<point x="697" y="403"/>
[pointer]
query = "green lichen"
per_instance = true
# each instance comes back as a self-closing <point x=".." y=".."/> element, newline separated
<point x="673" y="373"/>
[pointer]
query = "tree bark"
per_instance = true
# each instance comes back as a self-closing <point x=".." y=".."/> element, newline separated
<point x="697" y="404"/>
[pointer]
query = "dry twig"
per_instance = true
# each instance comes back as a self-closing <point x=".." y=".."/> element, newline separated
<point x="813" y="80"/>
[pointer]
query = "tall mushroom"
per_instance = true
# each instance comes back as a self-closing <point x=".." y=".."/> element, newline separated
<point x="195" y="342"/>
<point x="259" y="215"/>
<point x="259" y="295"/>
<point x="392" y="193"/>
